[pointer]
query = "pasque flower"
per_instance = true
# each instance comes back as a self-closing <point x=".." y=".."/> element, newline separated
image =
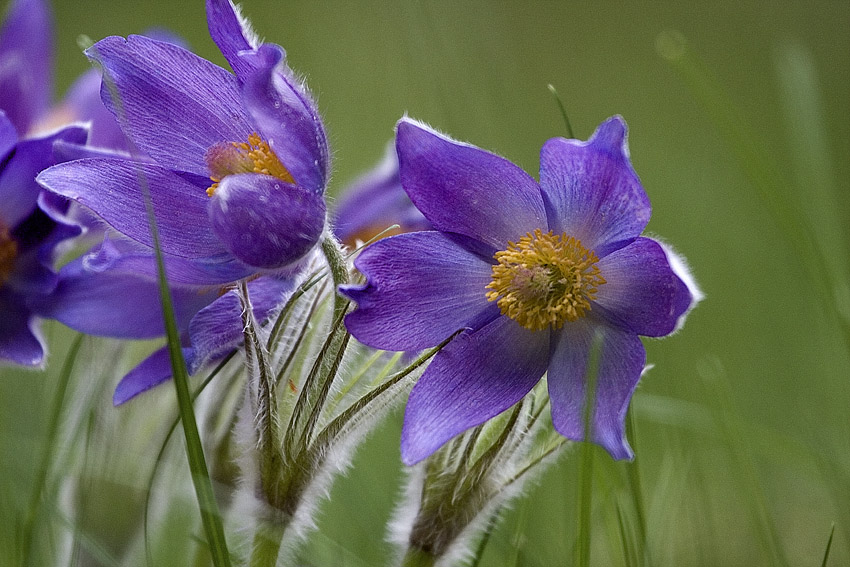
<point x="236" y="166"/>
<point x="531" y="273"/>
<point x="236" y="163"/>
<point x="374" y="202"/>
<point x="28" y="232"/>
<point x="92" y="294"/>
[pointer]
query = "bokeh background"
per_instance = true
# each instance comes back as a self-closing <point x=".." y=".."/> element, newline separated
<point x="743" y="426"/>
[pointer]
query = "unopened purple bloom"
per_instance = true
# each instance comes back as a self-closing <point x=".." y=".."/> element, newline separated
<point x="374" y="202"/>
<point x="236" y="163"/>
<point x="531" y="273"/>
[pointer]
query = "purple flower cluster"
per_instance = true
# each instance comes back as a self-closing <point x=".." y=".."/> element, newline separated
<point x="528" y="276"/>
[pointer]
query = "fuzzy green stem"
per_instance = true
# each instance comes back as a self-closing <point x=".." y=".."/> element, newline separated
<point x="266" y="544"/>
<point x="415" y="557"/>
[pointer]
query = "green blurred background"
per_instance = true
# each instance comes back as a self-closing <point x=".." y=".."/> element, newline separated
<point x="760" y="356"/>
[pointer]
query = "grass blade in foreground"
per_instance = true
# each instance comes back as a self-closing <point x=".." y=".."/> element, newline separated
<point x="210" y="515"/>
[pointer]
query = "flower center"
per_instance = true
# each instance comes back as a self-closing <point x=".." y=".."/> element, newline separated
<point x="255" y="156"/>
<point x="545" y="279"/>
<point x="8" y="253"/>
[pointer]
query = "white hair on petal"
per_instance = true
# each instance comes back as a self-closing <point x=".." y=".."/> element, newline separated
<point x="247" y="28"/>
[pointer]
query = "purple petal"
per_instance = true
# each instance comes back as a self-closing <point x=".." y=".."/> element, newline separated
<point x="231" y="34"/>
<point x="591" y="190"/>
<point x="8" y="136"/>
<point x="287" y="117"/>
<point x="621" y="361"/>
<point x="692" y="294"/>
<point x="376" y="201"/>
<point x="18" y="189"/>
<point x="475" y="377"/>
<point x="96" y="302"/>
<point x="19" y="341"/>
<point x="217" y="329"/>
<point x="83" y="99"/>
<point x="174" y="105"/>
<point x="642" y="293"/>
<point x="463" y="189"/>
<point x="420" y="288"/>
<point x="111" y="188"/>
<point x="265" y="222"/>
<point x="152" y="371"/>
<point x="26" y="49"/>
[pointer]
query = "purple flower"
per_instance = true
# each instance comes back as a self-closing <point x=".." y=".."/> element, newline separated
<point x="236" y="164"/>
<point x="91" y="297"/>
<point x="531" y="273"/>
<point x="374" y="202"/>
<point x="30" y="221"/>
<point x="26" y="48"/>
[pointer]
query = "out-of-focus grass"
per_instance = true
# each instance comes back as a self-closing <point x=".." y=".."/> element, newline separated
<point x="743" y="449"/>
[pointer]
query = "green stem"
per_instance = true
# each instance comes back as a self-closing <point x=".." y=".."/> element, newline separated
<point x="415" y="557"/>
<point x="266" y="544"/>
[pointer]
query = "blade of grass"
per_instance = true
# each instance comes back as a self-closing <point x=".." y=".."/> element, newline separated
<point x="49" y="445"/>
<point x="828" y="546"/>
<point x="633" y="472"/>
<point x="160" y="457"/>
<point x="210" y="516"/>
<point x="585" y="498"/>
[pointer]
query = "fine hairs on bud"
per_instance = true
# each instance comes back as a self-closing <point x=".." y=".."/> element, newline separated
<point x="361" y="390"/>
<point x="454" y="497"/>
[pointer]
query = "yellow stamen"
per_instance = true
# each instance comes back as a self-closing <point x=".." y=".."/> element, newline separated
<point x="8" y="253"/>
<point x="255" y="156"/>
<point x="545" y="280"/>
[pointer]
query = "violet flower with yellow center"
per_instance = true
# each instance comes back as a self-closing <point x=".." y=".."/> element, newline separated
<point x="531" y="273"/>
<point x="236" y="163"/>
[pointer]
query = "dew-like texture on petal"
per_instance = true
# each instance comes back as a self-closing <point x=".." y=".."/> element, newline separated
<point x="115" y="304"/>
<point x="621" y="360"/>
<point x="464" y="189"/>
<point x="172" y="104"/>
<point x="226" y="30"/>
<point x="152" y="371"/>
<point x="264" y="222"/>
<point x="111" y="188"/>
<point x="217" y="329"/>
<point x="18" y="189"/>
<point x="18" y="343"/>
<point x="26" y="50"/>
<point x="591" y="190"/>
<point x="421" y="287"/>
<point x="286" y="116"/>
<point x="641" y="292"/>
<point x="475" y="377"/>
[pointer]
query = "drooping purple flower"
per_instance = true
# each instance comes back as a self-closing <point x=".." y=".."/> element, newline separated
<point x="531" y="273"/>
<point x="374" y="202"/>
<point x="236" y="163"/>
<point x="92" y="293"/>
